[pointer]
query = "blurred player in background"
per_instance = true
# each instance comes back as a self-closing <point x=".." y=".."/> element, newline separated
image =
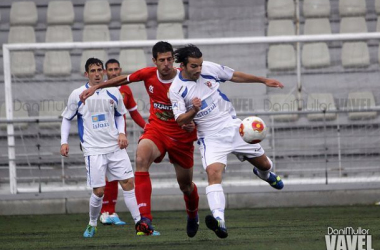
<point x="195" y="95"/>
<point x="108" y="215"/>
<point x="101" y="129"/>
<point x="162" y="134"/>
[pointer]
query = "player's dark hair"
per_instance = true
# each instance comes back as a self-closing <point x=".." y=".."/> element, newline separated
<point x="91" y="61"/>
<point x="112" y="60"/>
<point x="182" y="55"/>
<point x="161" y="47"/>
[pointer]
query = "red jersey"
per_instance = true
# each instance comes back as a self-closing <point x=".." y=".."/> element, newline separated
<point x="161" y="114"/>
<point x="129" y="101"/>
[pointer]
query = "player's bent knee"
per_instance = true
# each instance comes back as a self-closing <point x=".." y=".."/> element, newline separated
<point x="142" y="164"/>
<point x="127" y="184"/>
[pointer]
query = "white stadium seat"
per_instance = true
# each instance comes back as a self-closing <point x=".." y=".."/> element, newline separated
<point x="97" y="12"/>
<point x="133" y="11"/>
<point x="132" y="60"/>
<point x="284" y="103"/>
<point x="320" y="102"/>
<point x="60" y="12"/>
<point x="167" y="31"/>
<point x="280" y="9"/>
<point x="316" y="8"/>
<point x="352" y="7"/>
<point x="96" y="32"/>
<point x="19" y="111"/>
<point x="50" y="109"/>
<point x="170" y="11"/>
<point x="281" y="57"/>
<point x="354" y="54"/>
<point x="133" y="32"/>
<point x="23" y="13"/>
<point x="361" y="100"/>
<point x="281" y="28"/>
<point x="22" y="62"/>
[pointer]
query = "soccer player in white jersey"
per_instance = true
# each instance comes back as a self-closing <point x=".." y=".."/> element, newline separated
<point x="101" y="130"/>
<point x="195" y="95"/>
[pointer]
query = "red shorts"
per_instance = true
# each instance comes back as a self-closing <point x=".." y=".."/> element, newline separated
<point x="180" y="152"/>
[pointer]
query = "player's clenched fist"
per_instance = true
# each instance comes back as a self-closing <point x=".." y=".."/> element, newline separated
<point x="65" y="150"/>
<point x="197" y="104"/>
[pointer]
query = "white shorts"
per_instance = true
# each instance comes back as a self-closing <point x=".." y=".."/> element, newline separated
<point x="114" y="166"/>
<point x="216" y="147"/>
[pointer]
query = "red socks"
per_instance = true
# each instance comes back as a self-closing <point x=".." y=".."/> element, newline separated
<point x="110" y="197"/>
<point x="192" y="202"/>
<point x="143" y="190"/>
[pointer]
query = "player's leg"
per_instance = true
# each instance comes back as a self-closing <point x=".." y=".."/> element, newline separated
<point x="147" y="152"/>
<point x="216" y="199"/>
<point x="263" y="169"/>
<point x="191" y="197"/>
<point x="108" y="215"/>
<point x="255" y="155"/>
<point x="96" y="179"/>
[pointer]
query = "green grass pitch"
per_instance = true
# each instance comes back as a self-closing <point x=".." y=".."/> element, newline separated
<point x="272" y="228"/>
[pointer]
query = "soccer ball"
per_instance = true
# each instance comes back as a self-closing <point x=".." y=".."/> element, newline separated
<point x="253" y="129"/>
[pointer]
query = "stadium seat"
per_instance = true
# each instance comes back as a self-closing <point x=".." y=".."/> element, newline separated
<point x="58" y="63"/>
<point x="86" y="54"/>
<point x="133" y="32"/>
<point x="22" y="62"/>
<point x="96" y="32"/>
<point x="60" y="12"/>
<point x="49" y="108"/>
<point x="317" y="26"/>
<point x="354" y="54"/>
<point x="132" y="60"/>
<point x="280" y="9"/>
<point x="315" y="55"/>
<point x="97" y="12"/>
<point x="377" y="7"/>
<point x="167" y="31"/>
<point x="361" y="100"/>
<point x="133" y="11"/>
<point x="316" y="8"/>
<point x="352" y="8"/>
<point x="23" y="13"/>
<point x="19" y="111"/>
<point x="170" y="11"/>
<point x="320" y="102"/>
<point x="284" y="103"/>
<point x="281" y="57"/>
<point x="281" y="28"/>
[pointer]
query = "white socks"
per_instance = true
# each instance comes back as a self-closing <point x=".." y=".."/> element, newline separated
<point x="216" y="200"/>
<point x="131" y="202"/>
<point x="265" y="174"/>
<point x="95" y="207"/>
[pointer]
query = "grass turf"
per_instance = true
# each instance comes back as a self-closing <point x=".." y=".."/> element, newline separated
<point x="274" y="228"/>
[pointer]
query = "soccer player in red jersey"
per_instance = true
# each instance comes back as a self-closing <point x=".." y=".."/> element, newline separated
<point x="162" y="134"/>
<point x="108" y="215"/>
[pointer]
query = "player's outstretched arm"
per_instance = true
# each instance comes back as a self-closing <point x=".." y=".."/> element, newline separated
<point x="114" y="82"/>
<point x="242" y="77"/>
<point x="137" y="118"/>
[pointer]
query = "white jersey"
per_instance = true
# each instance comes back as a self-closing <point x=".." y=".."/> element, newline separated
<point x="216" y="111"/>
<point x="96" y="119"/>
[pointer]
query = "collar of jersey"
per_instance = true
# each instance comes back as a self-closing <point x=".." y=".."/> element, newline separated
<point x="183" y="79"/>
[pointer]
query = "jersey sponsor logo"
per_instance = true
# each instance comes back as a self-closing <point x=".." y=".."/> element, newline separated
<point x="98" y="118"/>
<point x="206" y="112"/>
<point x="162" y="106"/>
<point x="99" y="121"/>
<point x="163" y="112"/>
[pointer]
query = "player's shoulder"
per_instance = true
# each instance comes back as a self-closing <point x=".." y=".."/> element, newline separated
<point x="207" y="65"/>
<point x="148" y="70"/>
<point x="177" y="84"/>
<point x="125" y="89"/>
